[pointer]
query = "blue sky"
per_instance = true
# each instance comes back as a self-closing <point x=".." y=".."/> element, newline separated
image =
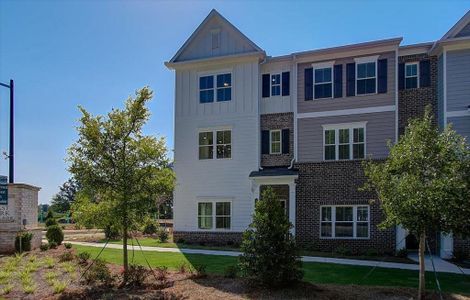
<point x="62" y="54"/>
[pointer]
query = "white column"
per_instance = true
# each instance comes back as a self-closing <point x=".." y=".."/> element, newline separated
<point x="400" y="239"/>
<point x="447" y="245"/>
<point x="292" y="205"/>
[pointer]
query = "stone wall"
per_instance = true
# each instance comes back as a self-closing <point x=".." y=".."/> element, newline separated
<point x="278" y="121"/>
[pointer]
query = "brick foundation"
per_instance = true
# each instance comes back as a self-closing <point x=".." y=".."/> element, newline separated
<point x="213" y="238"/>
<point x="278" y="121"/>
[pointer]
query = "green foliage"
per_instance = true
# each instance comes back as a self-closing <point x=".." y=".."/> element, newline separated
<point x="62" y="201"/>
<point x="163" y="235"/>
<point x="231" y="272"/>
<point x="83" y="258"/>
<point x="150" y="226"/>
<point x="66" y="256"/>
<point x="68" y="245"/>
<point x="137" y="275"/>
<point x="52" y="245"/>
<point x="111" y="232"/>
<point x="7" y="289"/>
<point x="50" y="222"/>
<point x="270" y="254"/>
<point x="59" y="286"/>
<point x="49" y="262"/>
<point x="44" y="247"/>
<point x="50" y="215"/>
<point x="200" y="270"/>
<point x="343" y="250"/>
<point x="50" y="277"/>
<point x="54" y="234"/>
<point x="98" y="272"/>
<point x="23" y="241"/>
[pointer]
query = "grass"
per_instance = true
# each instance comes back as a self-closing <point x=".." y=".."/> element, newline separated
<point x="314" y="272"/>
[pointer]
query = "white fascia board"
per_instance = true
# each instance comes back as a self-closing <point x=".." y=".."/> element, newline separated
<point x="346" y="112"/>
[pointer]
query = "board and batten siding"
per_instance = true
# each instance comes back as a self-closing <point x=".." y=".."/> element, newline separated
<point x="361" y="101"/>
<point x="216" y="179"/>
<point x="277" y="104"/>
<point x="380" y="128"/>
<point x="464" y="32"/>
<point x="458" y="80"/>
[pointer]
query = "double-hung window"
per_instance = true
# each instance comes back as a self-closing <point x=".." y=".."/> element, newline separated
<point x="275" y="142"/>
<point x="275" y="84"/>
<point x="344" y="141"/>
<point x="215" y="85"/>
<point x="344" y="221"/>
<point x="223" y="144"/>
<point x="221" y="217"/>
<point x="323" y="83"/>
<point x="204" y="215"/>
<point x="411" y="76"/>
<point x="366" y="77"/>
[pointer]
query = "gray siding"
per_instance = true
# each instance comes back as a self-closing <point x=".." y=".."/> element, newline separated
<point x="347" y="102"/>
<point x="461" y="125"/>
<point x="277" y="104"/>
<point x="464" y="32"/>
<point x="380" y="128"/>
<point x="440" y="91"/>
<point x="458" y="80"/>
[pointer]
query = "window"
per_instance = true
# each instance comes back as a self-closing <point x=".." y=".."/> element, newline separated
<point x="344" y="221"/>
<point x="222" y="215"/>
<point x="223" y="144"/>
<point x="411" y="76"/>
<point x="204" y="214"/>
<point x="344" y="141"/>
<point x="275" y="142"/>
<point x="366" y="78"/>
<point x="323" y="86"/>
<point x="275" y="84"/>
<point x="223" y="87"/>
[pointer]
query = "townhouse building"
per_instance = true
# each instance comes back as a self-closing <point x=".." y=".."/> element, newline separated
<point x="303" y="123"/>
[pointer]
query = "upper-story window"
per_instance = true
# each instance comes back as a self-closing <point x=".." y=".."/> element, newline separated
<point x="223" y="87"/>
<point x="366" y="74"/>
<point x="411" y="76"/>
<point x="275" y="142"/>
<point x="323" y="83"/>
<point x="223" y="144"/>
<point x="344" y="141"/>
<point x="275" y="84"/>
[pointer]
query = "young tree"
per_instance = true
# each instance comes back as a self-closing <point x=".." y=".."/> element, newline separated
<point x="270" y="254"/>
<point x="424" y="184"/>
<point x="121" y="170"/>
<point x="62" y="201"/>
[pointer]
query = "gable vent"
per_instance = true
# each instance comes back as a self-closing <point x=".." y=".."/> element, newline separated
<point x="215" y="35"/>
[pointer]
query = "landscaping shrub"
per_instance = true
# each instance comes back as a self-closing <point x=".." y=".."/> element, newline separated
<point x="269" y="252"/>
<point x="44" y="247"/>
<point x="136" y="275"/>
<point x="52" y="245"/>
<point x="83" y="258"/>
<point x="180" y="241"/>
<point x="51" y="222"/>
<point x="372" y="252"/>
<point x="163" y="235"/>
<point x="66" y="256"/>
<point x="23" y="241"/>
<point x="460" y="255"/>
<point x="55" y="234"/>
<point x="111" y="232"/>
<point x="343" y="250"/>
<point x="403" y="253"/>
<point x="98" y="272"/>
<point x="230" y="272"/>
<point x="67" y="245"/>
<point x="149" y="227"/>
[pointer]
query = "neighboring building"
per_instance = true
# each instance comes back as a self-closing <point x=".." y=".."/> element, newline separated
<point x="303" y="123"/>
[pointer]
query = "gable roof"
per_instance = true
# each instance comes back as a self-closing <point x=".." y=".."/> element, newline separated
<point x="454" y="31"/>
<point x="214" y="14"/>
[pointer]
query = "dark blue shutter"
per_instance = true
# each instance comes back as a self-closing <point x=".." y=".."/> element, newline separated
<point x="338" y="82"/>
<point x="264" y="141"/>
<point x="308" y="83"/>
<point x="285" y="141"/>
<point x="424" y="73"/>
<point x="382" y="76"/>
<point x="266" y="86"/>
<point x="351" y="79"/>
<point x="401" y="76"/>
<point x="285" y="83"/>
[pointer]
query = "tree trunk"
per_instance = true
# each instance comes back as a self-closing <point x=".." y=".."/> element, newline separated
<point x="422" y="268"/>
<point x="124" y="250"/>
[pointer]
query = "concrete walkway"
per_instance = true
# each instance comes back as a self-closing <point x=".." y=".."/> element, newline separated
<point x="441" y="265"/>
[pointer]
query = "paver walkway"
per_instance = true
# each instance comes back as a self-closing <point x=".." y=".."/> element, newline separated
<point x="441" y="265"/>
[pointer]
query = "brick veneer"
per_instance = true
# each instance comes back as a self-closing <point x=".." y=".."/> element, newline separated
<point x="334" y="183"/>
<point x="215" y="238"/>
<point x="278" y="121"/>
<point x="462" y="245"/>
<point x="412" y="102"/>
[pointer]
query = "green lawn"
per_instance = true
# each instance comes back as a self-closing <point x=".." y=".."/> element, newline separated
<point x="314" y="272"/>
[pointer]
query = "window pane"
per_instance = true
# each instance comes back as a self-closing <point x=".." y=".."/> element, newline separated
<point x="276" y="79"/>
<point x="222" y="208"/>
<point x="361" y="70"/>
<point x="323" y="90"/>
<point x="330" y="153"/>
<point x="205" y="222"/>
<point x="206" y="82"/>
<point x="224" y="94"/>
<point x="206" y="96"/>
<point x="361" y="87"/>
<point x="343" y="151"/>
<point x="411" y="82"/>
<point x="343" y="229"/>
<point x="344" y="136"/>
<point x="344" y="213"/>
<point x="206" y="138"/>
<point x="275" y="90"/>
<point x="224" y="137"/>
<point x="323" y="75"/>
<point x="222" y="222"/>
<point x="224" y="80"/>
<point x="362" y="229"/>
<point x="224" y="151"/>
<point x="329" y="137"/>
<point x="362" y="213"/>
<point x="205" y="209"/>
<point x="358" y="135"/>
<point x="206" y="152"/>
<point x="275" y="147"/>
<point x="411" y="70"/>
<point x="275" y="136"/>
<point x="358" y="151"/>
<point x="326" y="213"/>
<point x="326" y="229"/>
<point x="370" y="86"/>
<point x="370" y="69"/>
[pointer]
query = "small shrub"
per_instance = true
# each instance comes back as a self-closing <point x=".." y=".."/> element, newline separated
<point x="343" y="250"/>
<point x="68" y="267"/>
<point x="51" y="222"/>
<point x="50" y="277"/>
<point x="200" y="271"/>
<point x="66" y="256"/>
<point x="29" y="288"/>
<point x="111" y="232"/>
<point x="58" y="286"/>
<point x="83" y="258"/>
<point x="163" y="235"/>
<point x="180" y="241"/>
<point x="55" y="234"/>
<point x="149" y="227"/>
<point x="67" y="245"/>
<point x="372" y="252"/>
<point x="98" y="272"/>
<point x="49" y="262"/>
<point x="136" y="275"/>
<point x="403" y="253"/>
<point x="4" y="276"/>
<point x="44" y="247"/>
<point x="7" y="289"/>
<point x="162" y="273"/>
<point x="230" y="272"/>
<point x="460" y="255"/>
<point x="52" y="245"/>
<point x="25" y="238"/>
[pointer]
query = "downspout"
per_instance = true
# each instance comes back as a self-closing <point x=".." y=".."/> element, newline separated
<point x="291" y="164"/>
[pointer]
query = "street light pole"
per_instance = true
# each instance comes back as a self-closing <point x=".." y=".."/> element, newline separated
<point x="11" y="177"/>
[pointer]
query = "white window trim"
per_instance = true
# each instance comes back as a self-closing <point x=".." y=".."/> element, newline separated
<point x="364" y="60"/>
<point x="271" y="84"/>
<point x="350" y="126"/>
<point x="271" y="142"/>
<point x="331" y="81"/>
<point x="417" y="73"/>
<point x="214" y="202"/>
<point x="354" y="221"/>
<point x="214" y="83"/>
<point x="214" y="142"/>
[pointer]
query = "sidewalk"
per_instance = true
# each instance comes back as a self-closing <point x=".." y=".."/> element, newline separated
<point x="440" y="264"/>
